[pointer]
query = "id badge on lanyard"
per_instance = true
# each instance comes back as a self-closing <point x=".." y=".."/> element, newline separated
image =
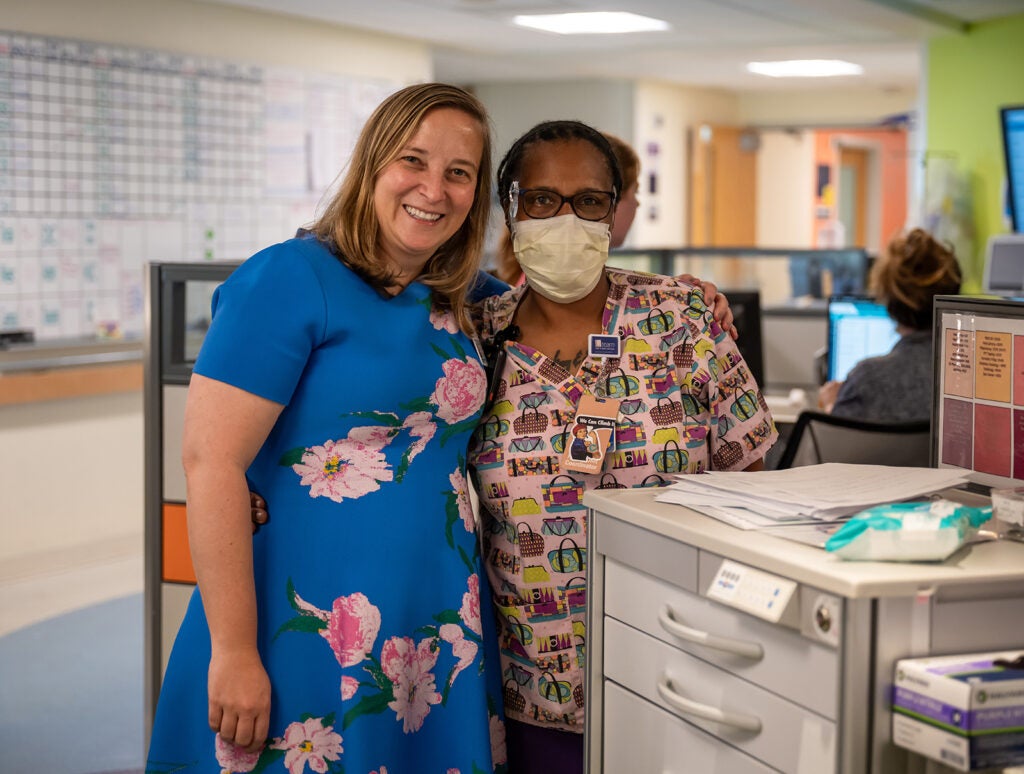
<point x="591" y="435"/>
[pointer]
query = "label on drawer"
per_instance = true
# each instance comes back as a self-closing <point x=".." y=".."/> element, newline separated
<point x="753" y="591"/>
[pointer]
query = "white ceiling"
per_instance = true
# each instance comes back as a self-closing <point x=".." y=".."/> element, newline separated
<point x="474" y="41"/>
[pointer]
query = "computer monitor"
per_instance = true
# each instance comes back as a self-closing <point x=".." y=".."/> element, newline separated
<point x="1012" y="125"/>
<point x="746" y="313"/>
<point x="978" y="389"/>
<point x="858" y="327"/>
<point x="1004" y="265"/>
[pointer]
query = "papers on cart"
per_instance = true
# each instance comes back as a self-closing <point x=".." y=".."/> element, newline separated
<point x="826" y="492"/>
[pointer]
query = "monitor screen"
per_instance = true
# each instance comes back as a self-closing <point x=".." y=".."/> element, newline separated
<point x="978" y="392"/>
<point x="858" y="327"/>
<point x="1004" y="265"/>
<point x="1012" y="123"/>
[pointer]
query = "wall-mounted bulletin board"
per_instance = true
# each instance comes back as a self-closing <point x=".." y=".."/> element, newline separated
<point x="112" y="157"/>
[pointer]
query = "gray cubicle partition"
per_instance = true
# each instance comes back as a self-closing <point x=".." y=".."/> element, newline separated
<point x="177" y="316"/>
<point x="795" y="339"/>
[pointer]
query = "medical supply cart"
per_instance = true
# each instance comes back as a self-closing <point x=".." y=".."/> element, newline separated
<point x="724" y="651"/>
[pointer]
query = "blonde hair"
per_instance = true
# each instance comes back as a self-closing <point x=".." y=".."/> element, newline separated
<point x="350" y="220"/>
<point x="914" y="269"/>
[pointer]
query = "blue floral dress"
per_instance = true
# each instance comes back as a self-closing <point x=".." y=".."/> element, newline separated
<point x="368" y="574"/>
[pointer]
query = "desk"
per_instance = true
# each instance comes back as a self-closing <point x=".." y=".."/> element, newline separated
<point x="817" y="681"/>
<point x="69" y="368"/>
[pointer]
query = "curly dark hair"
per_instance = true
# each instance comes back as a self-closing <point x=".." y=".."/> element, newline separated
<point x="554" y="131"/>
<point x="915" y="268"/>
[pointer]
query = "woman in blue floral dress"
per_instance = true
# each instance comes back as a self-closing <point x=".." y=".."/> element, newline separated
<point x="337" y="380"/>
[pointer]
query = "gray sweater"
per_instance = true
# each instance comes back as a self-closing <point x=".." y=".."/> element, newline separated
<point x="896" y="387"/>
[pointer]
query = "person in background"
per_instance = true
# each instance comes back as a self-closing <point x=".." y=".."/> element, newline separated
<point x="896" y="387"/>
<point x="627" y="203"/>
<point x="337" y="379"/>
<point x="678" y="394"/>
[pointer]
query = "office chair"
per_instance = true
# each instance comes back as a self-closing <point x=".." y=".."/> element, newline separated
<point x="818" y="437"/>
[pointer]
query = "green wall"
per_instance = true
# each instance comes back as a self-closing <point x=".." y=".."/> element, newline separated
<point x="968" y="78"/>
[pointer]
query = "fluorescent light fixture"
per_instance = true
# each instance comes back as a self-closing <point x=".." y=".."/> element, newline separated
<point x="596" y="23"/>
<point x="805" y="68"/>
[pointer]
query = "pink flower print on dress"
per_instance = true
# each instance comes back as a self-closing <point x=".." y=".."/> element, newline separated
<point x="309" y="742"/>
<point x="422" y="427"/>
<point x="234" y="759"/>
<point x="349" y="686"/>
<point x="352" y="628"/>
<point x="458" y="482"/>
<point x="373" y="436"/>
<point x="408" y="667"/>
<point x="499" y="754"/>
<point x="443" y="320"/>
<point x="464" y="650"/>
<point x="340" y="469"/>
<point x="470" y="610"/>
<point x="460" y="392"/>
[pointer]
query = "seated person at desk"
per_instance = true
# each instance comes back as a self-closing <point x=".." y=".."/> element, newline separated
<point x="896" y="387"/>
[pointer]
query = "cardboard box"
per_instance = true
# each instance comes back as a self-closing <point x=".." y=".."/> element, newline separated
<point x="966" y="711"/>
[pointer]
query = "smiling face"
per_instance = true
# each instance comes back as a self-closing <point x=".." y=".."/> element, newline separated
<point x="422" y="197"/>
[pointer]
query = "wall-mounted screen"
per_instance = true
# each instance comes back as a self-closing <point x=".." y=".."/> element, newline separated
<point x="978" y="392"/>
<point x="1012" y="122"/>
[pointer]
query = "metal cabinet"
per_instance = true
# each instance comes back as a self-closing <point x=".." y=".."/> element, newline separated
<point x="789" y="671"/>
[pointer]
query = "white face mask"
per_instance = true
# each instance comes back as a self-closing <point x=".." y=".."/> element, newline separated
<point x="563" y="257"/>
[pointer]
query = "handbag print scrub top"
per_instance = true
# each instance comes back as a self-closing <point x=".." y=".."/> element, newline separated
<point x="687" y="403"/>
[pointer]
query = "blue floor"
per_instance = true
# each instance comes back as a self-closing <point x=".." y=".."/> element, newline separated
<point x="71" y="697"/>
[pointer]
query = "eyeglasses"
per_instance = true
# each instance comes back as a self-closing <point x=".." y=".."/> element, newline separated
<point x="539" y="203"/>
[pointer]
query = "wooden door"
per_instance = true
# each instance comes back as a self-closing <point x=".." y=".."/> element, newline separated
<point x="853" y="194"/>
<point x="723" y="186"/>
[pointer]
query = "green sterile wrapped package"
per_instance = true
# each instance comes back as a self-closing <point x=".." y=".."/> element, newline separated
<point x="907" y="532"/>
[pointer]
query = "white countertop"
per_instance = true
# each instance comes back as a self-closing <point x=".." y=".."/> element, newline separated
<point x="995" y="562"/>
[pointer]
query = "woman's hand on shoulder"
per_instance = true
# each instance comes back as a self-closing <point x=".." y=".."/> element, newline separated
<point x="718" y="303"/>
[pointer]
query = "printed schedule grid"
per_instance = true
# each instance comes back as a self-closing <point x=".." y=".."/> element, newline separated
<point x="111" y="157"/>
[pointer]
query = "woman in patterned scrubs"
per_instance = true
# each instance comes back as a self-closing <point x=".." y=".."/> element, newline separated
<point x="683" y="401"/>
<point x="337" y="380"/>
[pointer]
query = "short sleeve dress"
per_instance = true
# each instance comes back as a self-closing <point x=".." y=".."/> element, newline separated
<point x="368" y="574"/>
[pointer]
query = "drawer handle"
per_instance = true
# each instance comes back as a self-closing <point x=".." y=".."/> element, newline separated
<point x="751" y="650"/>
<point x="738" y="720"/>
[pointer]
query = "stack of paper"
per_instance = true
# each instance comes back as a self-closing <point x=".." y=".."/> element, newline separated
<point x="825" y="492"/>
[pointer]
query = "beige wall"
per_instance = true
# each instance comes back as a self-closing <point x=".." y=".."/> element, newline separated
<point x="226" y="33"/>
<point x="840" y="105"/>
<point x="70" y="475"/>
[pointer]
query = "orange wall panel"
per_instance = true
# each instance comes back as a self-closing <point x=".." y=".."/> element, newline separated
<point x="891" y="146"/>
<point x="177" y="559"/>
